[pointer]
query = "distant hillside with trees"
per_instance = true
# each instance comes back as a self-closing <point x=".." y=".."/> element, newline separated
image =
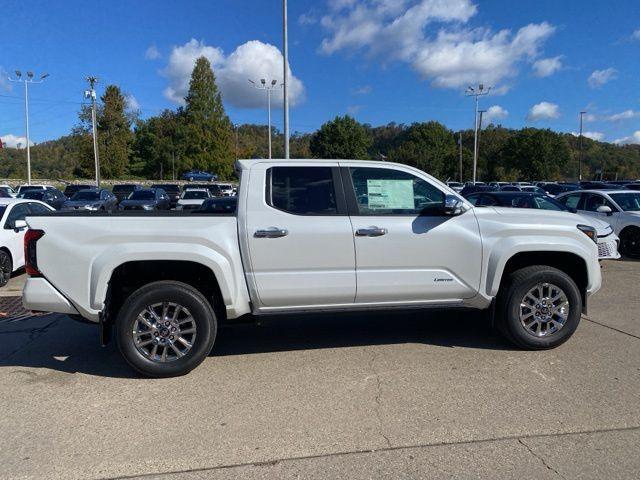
<point x="200" y="135"/>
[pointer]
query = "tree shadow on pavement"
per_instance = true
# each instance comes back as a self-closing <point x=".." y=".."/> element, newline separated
<point x="58" y="343"/>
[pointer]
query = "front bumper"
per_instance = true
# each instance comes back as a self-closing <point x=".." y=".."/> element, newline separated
<point x="38" y="294"/>
<point x="608" y="247"/>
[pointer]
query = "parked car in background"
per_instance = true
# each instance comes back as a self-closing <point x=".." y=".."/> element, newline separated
<point x="91" y="200"/>
<point x="595" y="185"/>
<point x="192" y="199"/>
<point x="226" y="189"/>
<point x="497" y="185"/>
<point x="71" y="189"/>
<point x="632" y="186"/>
<point x="147" y="199"/>
<point x="607" y="239"/>
<point x="455" y="186"/>
<point x="532" y="189"/>
<point x="26" y="188"/>
<point x="214" y="189"/>
<point x="222" y="205"/>
<point x="13" y="227"/>
<point x="554" y="189"/>
<point x="620" y="208"/>
<point x="9" y="190"/>
<point x="471" y="188"/>
<point x="510" y="188"/>
<point x="199" y="176"/>
<point x="123" y="190"/>
<point x="52" y="197"/>
<point x="4" y="194"/>
<point x="172" y="190"/>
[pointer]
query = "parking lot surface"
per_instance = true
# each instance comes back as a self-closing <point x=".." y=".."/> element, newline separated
<point x="360" y="396"/>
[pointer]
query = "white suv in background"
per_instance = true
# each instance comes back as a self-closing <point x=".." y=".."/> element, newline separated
<point x="619" y="208"/>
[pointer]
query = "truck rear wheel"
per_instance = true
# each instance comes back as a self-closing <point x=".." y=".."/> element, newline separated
<point x="165" y="329"/>
<point x="539" y="308"/>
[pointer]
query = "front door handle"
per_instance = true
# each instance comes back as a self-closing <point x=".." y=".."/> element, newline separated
<point x="371" y="232"/>
<point x="271" y="232"/>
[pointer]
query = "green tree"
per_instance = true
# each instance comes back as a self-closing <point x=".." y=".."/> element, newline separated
<point x="430" y="147"/>
<point x="206" y="134"/>
<point x="156" y="147"/>
<point x="537" y="154"/>
<point x="115" y="137"/>
<point x="343" y="137"/>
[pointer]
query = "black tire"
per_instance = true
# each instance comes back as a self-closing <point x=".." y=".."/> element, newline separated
<point x="630" y="242"/>
<point x="166" y="291"/>
<point x="512" y="294"/>
<point x="6" y="267"/>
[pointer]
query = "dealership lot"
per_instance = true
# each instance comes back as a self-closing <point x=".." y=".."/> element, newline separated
<point x="361" y="396"/>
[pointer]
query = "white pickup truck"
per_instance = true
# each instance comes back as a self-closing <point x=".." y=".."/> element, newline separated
<point x="309" y="236"/>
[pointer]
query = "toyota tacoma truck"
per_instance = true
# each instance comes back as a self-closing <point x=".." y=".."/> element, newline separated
<point x="309" y="236"/>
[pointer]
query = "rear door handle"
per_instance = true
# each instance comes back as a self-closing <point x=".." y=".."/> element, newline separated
<point x="371" y="232"/>
<point x="271" y="232"/>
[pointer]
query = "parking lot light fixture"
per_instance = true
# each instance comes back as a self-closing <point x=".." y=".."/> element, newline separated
<point x="268" y="88"/>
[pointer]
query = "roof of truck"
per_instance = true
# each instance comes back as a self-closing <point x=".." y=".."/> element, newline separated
<point x="246" y="163"/>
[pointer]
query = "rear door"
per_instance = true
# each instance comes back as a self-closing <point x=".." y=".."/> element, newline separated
<point x="407" y="251"/>
<point x="299" y="236"/>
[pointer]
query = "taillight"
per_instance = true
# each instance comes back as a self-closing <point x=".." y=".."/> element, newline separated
<point x="30" y="257"/>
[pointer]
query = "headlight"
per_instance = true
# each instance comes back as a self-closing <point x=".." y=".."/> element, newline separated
<point x="589" y="231"/>
<point x="148" y="207"/>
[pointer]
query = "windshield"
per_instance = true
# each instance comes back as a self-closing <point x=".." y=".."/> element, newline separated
<point x="2" y="209"/>
<point x="194" y="195"/>
<point x="628" y="201"/>
<point x="538" y="203"/>
<point x="142" y="195"/>
<point x="86" y="196"/>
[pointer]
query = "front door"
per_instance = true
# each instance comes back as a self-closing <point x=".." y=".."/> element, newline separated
<point x="15" y="238"/>
<point x="407" y="250"/>
<point x="299" y="237"/>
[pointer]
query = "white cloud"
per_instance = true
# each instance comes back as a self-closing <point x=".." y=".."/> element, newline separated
<point x="599" y="77"/>
<point x="626" y="115"/>
<point x="598" y="136"/>
<point x="152" y="53"/>
<point x="589" y="117"/>
<point x="363" y="90"/>
<point x="543" y="111"/>
<point x="354" y="109"/>
<point x="12" y="141"/>
<point x="5" y="85"/>
<point x="496" y="112"/>
<point x="131" y="103"/>
<point x="455" y="56"/>
<point x="636" y="34"/>
<point x="547" y="66"/>
<point x="252" y="60"/>
<point x="307" y="19"/>
<point x="634" y="139"/>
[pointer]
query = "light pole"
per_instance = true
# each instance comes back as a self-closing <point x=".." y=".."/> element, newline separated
<point x="476" y="92"/>
<point x="26" y="82"/>
<point x="285" y="63"/>
<point x="91" y="94"/>
<point x="269" y="88"/>
<point x="580" y="149"/>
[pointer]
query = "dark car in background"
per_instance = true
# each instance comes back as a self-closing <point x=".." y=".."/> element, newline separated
<point x="516" y="200"/>
<point x="595" y="185"/>
<point x="172" y="190"/>
<point x="554" y="189"/>
<point x="469" y="188"/>
<point x="147" y="199"/>
<point x="71" y="190"/>
<point x="92" y="200"/>
<point x="52" y="197"/>
<point x="223" y="205"/>
<point x="123" y="190"/>
<point x="199" y="175"/>
<point x="633" y="186"/>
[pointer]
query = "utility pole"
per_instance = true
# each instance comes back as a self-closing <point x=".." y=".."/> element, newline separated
<point x="26" y="82"/>
<point x="91" y="94"/>
<point x="263" y="86"/>
<point x="285" y="63"/>
<point x="476" y="92"/>
<point x="460" y="144"/>
<point x="173" y="163"/>
<point x="235" y="128"/>
<point x="480" y="112"/>
<point x="580" y="149"/>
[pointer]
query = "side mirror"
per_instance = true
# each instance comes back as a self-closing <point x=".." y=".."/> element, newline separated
<point x="605" y="209"/>
<point x="573" y="210"/>
<point x="19" y="225"/>
<point x="452" y="206"/>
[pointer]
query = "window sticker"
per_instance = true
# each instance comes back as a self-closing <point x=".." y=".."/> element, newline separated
<point x="390" y="194"/>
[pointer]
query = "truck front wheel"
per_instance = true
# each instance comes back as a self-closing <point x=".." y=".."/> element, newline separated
<point x="165" y="329"/>
<point x="539" y="307"/>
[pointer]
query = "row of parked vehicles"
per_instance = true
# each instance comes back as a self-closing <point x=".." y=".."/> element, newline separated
<point x="613" y="207"/>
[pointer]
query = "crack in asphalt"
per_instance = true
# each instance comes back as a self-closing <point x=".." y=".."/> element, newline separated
<point x="377" y="397"/>
<point x="34" y="334"/>
<point x="611" y="328"/>
<point x="539" y="457"/>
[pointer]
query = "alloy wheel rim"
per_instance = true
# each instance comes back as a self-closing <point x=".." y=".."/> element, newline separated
<point x="544" y="310"/>
<point x="5" y="269"/>
<point x="164" y="332"/>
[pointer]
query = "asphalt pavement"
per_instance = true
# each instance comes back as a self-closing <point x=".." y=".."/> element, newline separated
<point x="403" y="395"/>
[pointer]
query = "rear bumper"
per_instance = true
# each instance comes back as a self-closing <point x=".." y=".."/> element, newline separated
<point x="38" y="294"/>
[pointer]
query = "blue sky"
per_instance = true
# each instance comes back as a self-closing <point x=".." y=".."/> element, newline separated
<point x="379" y="60"/>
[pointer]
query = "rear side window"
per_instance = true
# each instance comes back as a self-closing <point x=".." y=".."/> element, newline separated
<point x="302" y="190"/>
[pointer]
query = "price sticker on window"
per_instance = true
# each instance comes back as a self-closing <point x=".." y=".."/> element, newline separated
<point x="390" y="194"/>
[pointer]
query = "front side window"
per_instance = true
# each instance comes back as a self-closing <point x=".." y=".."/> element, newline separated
<point x="383" y="191"/>
<point x="19" y="212"/>
<point x="302" y="190"/>
<point x="594" y="201"/>
<point x="571" y="201"/>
